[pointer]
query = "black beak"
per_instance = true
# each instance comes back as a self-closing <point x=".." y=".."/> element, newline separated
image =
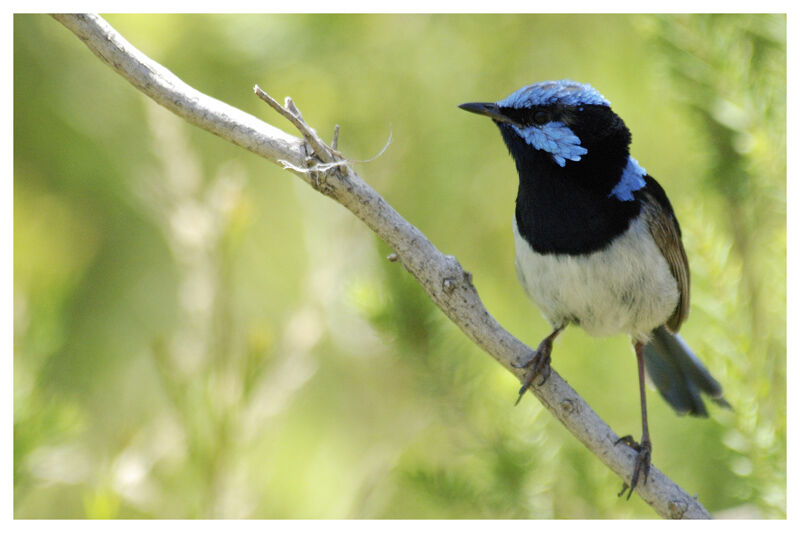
<point x="488" y="109"/>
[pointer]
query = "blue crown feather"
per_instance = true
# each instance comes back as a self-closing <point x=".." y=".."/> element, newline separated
<point x="566" y="92"/>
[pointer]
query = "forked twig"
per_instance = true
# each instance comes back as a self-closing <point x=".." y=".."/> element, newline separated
<point x="292" y="114"/>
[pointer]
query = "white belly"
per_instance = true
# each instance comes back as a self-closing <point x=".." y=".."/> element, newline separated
<point x="626" y="287"/>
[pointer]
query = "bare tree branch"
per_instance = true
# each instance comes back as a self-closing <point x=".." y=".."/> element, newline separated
<point x="442" y="277"/>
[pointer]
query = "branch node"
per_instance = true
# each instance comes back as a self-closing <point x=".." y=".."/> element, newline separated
<point x="321" y="159"/>
<point x="568" y="406"/>
<point x="317" y="172"/>
<point x="448" y="285"/>
<point x="392" y="257"/>
<point x="677" y="509"/>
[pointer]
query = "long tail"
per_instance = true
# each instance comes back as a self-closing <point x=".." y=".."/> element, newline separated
<point x="679" y="375"/>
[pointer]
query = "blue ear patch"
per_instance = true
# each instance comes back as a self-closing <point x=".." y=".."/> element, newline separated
<point x="632" y="179"/>
<point x="565" y="92"/>
<point x="555" y="138"/>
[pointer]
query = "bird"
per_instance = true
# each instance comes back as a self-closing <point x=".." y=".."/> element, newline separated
<point x="598" y="244"/>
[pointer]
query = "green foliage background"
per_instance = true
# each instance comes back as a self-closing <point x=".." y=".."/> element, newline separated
<point x="197" y="333"/>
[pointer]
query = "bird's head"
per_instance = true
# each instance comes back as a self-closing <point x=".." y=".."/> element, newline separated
<point x="562" y="123"/>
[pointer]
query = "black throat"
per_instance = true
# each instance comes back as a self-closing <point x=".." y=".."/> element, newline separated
<point x="568" y="210"/>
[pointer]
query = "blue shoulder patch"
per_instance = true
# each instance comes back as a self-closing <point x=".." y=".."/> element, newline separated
<point x="632" y="179"/>
<point x="567" y="92"/>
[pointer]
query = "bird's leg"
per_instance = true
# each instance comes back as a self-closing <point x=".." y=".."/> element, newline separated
<point x="644" y="448"/>
<point x="538" y="362"/>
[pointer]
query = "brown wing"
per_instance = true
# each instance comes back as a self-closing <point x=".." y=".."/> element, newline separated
<point x="667" y="235"/>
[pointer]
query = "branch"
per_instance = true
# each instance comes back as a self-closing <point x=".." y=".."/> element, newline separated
<point x="446" y="282"/>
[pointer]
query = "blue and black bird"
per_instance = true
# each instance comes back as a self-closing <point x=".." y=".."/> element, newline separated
<point x="597" y="242"/>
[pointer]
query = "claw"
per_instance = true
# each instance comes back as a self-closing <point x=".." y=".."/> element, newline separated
<point x="641" y="466"/>
<point x="628" y="439"/>
<point x="538" y="364"/>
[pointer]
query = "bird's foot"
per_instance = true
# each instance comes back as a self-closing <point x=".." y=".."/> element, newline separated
<point x="642" y="464"/>
<point x="538" y="364"/>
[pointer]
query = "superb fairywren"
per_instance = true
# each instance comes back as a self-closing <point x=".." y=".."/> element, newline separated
<point x="597" y="242"/>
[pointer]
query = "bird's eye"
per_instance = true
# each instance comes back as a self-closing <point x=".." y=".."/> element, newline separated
<point x="541" y="117"/>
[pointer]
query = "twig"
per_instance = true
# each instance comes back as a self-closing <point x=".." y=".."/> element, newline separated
<point x="442" y="277"/>
<point x="335" y="141"/>
<point x="292" y="114"/>
<point x="288" y="103"/>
